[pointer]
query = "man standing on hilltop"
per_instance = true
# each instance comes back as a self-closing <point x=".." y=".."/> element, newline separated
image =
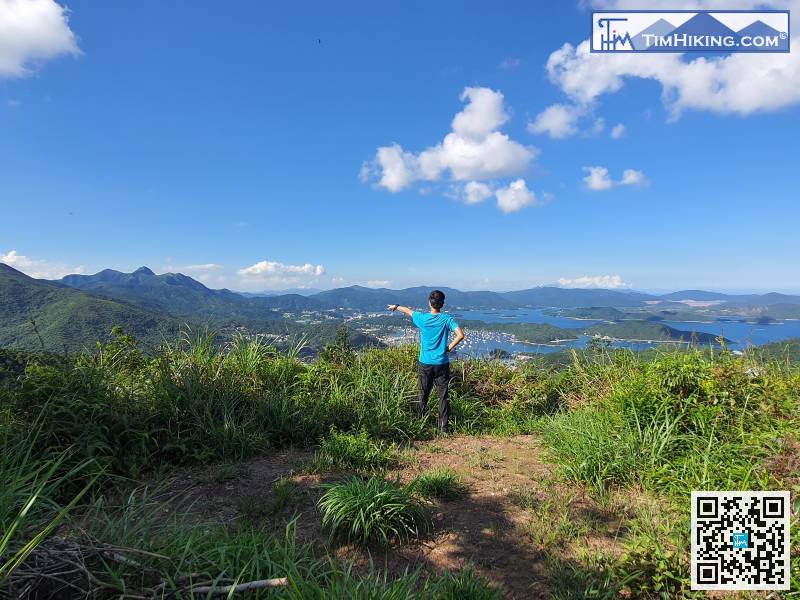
<point x="434" y="364"/>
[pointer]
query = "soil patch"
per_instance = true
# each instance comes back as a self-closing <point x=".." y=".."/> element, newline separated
<point x="513" y="519"/>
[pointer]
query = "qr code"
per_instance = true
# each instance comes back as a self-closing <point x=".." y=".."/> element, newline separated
<point x="740" y="540"/>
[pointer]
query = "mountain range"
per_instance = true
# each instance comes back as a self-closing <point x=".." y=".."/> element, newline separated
<point x="37" y="314"/>
<point x="80" y="309"/>
<point x="182" y="296"/>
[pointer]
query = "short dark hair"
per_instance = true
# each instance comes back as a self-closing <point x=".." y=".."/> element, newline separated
<point x="436" y="299"/>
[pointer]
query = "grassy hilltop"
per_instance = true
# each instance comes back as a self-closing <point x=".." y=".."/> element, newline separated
<point x="197" y="466"/>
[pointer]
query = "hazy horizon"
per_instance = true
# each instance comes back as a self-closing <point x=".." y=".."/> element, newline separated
<point x="314" y="289"/>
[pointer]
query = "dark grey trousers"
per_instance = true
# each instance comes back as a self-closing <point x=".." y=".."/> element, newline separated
<point x="438" y="375"/>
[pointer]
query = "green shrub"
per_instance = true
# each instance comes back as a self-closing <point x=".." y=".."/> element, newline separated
<point x="373" y="510"/>
<point x="443" y="484"/>
<point x="676" y="421"/>
<point x="354" y="451"/>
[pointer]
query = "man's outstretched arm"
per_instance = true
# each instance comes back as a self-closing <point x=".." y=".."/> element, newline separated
<point x="403" y="309"/>
<point x="459" y="337"/>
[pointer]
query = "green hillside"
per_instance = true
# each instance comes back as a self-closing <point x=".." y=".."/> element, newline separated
<point x="66" y="318"/>
<point x="648" y="330"/>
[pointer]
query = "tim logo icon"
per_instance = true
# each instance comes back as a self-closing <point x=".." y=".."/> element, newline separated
<point x="690" y="31"/>
<point x="740" y="540"/>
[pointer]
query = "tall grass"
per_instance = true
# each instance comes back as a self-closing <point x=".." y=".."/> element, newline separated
<point x="196" y="401"/>
<point x="676" y="420"/>
<point x="669" y="422"/>
<point x="33" y="494"/>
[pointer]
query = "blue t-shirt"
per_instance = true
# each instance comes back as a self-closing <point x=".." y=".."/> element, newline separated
<point x="433" y="332"/>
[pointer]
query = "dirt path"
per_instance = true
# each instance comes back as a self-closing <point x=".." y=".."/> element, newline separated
<point x="515" y="518"/>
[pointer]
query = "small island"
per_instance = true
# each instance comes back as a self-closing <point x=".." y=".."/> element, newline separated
<point x="647" y="331"/>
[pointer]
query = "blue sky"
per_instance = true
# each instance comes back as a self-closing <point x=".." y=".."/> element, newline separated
<point x="238" y="142"/>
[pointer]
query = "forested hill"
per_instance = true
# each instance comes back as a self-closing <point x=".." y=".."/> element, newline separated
<point x="184" y="297"/>
<point x="37" y="314"/>
<point x="66" y="318"/>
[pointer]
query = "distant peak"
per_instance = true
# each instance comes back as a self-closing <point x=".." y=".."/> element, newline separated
<point x="143" y="271"/>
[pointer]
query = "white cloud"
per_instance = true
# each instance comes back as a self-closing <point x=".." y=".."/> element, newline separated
<point x="483" y="114"/>
<point x="633" y="177"/>
<point x="598" y="179"/>
<point x="39" y="269"/>
<point x="12" y="103"/>
<point x="618" y="131"/>
<point x="399" y="168"/>
<point x="475" y="192"/>
<point x="268" y="274"/>
<point x="379" y="283"/>
<point x="267" y="268"/>
<point x="738" y="83"/>
<point x="595" y="281"/>
<point x="514" y="197"/>
<point x="32" y="31"/>
<point x="467" y="158"/>
<point x="558" y="121"/>
<point x="473" y="151"/>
